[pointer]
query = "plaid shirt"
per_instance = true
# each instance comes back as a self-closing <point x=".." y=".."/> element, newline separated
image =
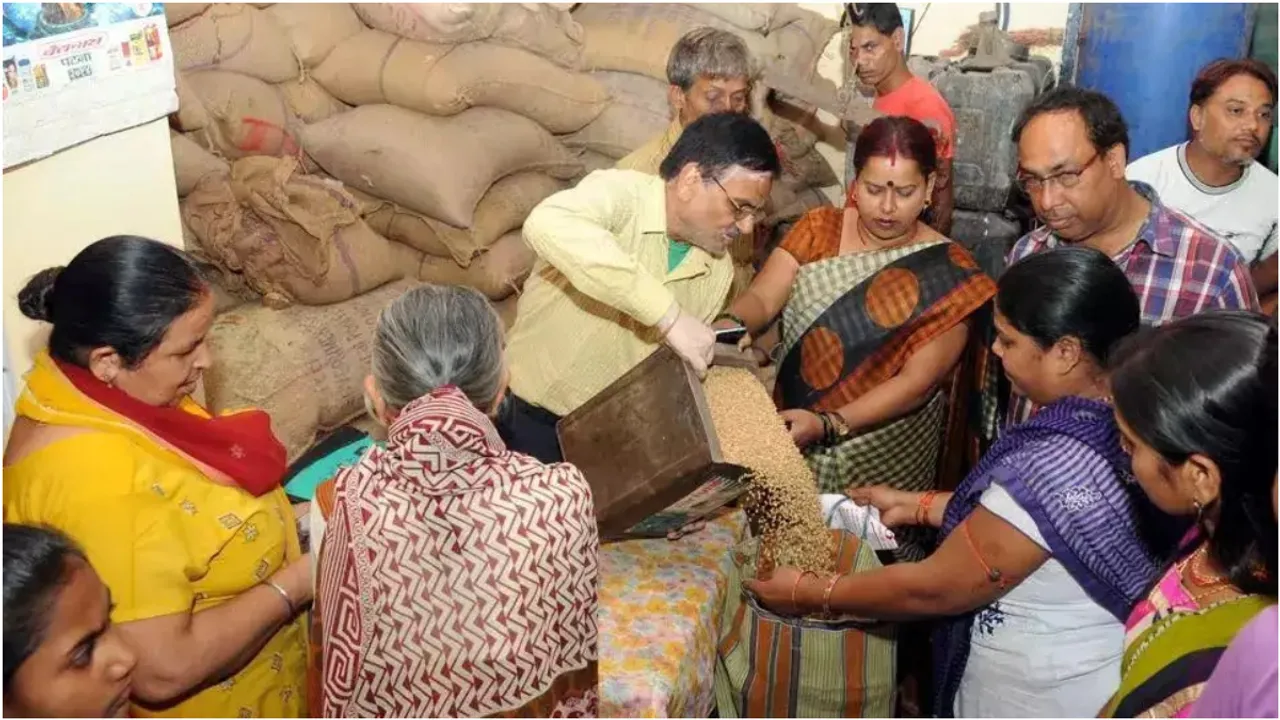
<point x="1177" y="266"/>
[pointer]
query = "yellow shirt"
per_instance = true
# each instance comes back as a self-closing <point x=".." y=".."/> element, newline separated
<point x="599" y="286"/>
<point x="164" y="538"/>
<point x="648" y="157"/>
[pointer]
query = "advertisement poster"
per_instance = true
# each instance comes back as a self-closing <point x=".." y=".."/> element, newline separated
<point x="75" y="71"/>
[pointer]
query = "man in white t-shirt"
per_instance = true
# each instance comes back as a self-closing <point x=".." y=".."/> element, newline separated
<point x="1215" y="178"/>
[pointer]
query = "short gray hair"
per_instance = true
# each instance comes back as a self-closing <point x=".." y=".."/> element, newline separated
<point x="436" y="335"/>
<point x="708" y="52"/>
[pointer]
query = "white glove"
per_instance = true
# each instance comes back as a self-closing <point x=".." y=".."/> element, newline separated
<point x="691" y="338"/>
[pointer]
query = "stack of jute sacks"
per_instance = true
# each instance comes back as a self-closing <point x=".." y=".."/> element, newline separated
<point x="324" y="151"/>
<point x="626" y="47"/>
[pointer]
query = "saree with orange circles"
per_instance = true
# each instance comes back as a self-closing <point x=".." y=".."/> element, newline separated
<point x="851" y="323"/>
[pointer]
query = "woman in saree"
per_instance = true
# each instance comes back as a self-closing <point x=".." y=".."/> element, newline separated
<point x="874" y="307"/>
<point x="1042" y="555"/>
<point x="1196" y="402"/>
<point x="457" y="578"/>
<point x="180" y="512"/>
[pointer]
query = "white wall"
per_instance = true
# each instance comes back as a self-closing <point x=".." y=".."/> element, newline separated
<point x="116" y="184"/>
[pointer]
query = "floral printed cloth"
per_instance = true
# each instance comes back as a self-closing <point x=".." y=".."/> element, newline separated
<point x="660" y="605"/>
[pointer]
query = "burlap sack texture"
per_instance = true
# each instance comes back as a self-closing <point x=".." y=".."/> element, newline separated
<point x="498" y="272"/>
<point x="315" y="29"/>
<point x="293" y="237"/>
<point x="191" y="163"/>
<point x="439" y="167"/>
<point x="310" y="102"/>
<point x="238" y="38"/>
<point x="304" y="366"/>
<point x="544" y="29"/>
<point x="639" y="110"/>
<point x="438" y="79"/>
<point x="502" y="209"/>
<point x="245" y="116"/>
<point x="611" y="31"/>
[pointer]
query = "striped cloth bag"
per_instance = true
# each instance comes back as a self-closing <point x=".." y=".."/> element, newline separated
<point x="770" y="666"/>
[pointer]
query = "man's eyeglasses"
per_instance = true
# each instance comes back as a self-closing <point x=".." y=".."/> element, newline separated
<point x="740" y="212"/>
<point x="1031" y="184"/>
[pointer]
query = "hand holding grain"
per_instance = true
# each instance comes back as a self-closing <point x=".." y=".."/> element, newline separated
<point x="805" y="427"/>
<point x="776" y="591"/>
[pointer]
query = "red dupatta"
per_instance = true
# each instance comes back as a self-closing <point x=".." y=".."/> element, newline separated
<point x="241" y="446"/>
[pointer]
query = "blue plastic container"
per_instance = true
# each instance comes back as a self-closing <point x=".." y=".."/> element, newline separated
<point x="1145" y="55"/>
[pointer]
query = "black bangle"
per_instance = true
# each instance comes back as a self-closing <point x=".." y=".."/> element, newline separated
<point x="826" y="428"/>
<point x="730" y="316"/>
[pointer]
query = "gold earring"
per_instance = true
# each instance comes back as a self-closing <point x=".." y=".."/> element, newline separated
<point x="1199" y="510"/>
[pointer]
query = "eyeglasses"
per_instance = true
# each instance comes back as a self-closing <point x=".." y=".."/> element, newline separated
<point x="740" y="212"/>
<point x="1031" y="184"/>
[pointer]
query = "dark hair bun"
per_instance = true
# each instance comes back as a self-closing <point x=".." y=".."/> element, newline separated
<point x="35" y="300"/>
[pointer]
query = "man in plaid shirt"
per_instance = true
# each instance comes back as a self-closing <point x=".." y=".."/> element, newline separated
<point x="1072" y="152"/>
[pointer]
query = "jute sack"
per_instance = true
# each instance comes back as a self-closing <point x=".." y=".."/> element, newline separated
<point x="638" y="38"/>
<point x="499" y="272"/>
<point x="235" y="37"/>
<point x="439" y="167"/>
<point x="809" y="169"/>
<point x="786" y="203"/>
<point x="798" y="44"/>
<point x="436" y="79"/>
<point x="502" y="209"/>
<point x="791" y="138"/>
<point x="592" y="161"/>
<point x="178" y="13"/>
<point x="191" y="163"/>
<point x="400" y="224"/>
<point x="540" y="28"/>
<point x="305" y="366"/>
<point x="191" y="113"/>
<point x="315" y="29"/>
<point x="294" y="237"/>
<point x="246" y="116"/>
<point x="308" y="101"/>
<point x="756" y="17"/>
<point x="611" y="30"/>
<point x="638" y="112"/>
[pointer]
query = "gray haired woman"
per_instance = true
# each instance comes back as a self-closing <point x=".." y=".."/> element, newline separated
<point x="456" y="578"/>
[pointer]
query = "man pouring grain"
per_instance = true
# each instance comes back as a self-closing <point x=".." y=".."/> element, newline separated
<point x="626" y="261"/>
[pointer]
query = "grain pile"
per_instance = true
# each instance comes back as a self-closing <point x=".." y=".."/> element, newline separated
<point x="783" y="500"/>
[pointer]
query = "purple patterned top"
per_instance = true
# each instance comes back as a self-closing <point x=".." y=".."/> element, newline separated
<point x="1066" y="469"/>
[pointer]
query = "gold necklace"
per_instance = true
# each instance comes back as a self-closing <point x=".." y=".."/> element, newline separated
<point x="1197" y="578"/>
<point x="870" y="244"/>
